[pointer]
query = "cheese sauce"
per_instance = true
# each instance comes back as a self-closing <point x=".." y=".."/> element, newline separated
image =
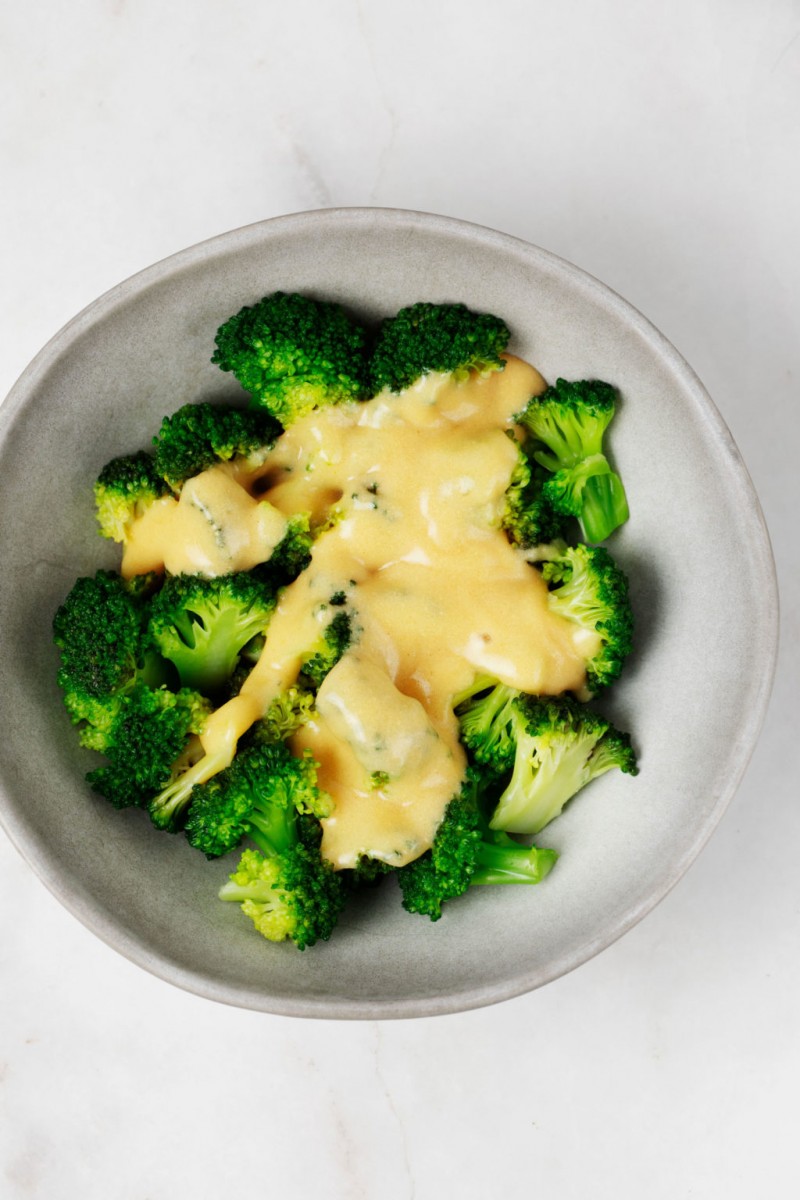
<point x="412" y="487"/>
<point x="213" y="528"/>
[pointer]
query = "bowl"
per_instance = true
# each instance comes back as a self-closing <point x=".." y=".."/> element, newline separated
<point x="693" y="694"/>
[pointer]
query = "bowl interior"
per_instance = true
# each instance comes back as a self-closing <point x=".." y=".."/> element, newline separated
<point x="695" y="550"/>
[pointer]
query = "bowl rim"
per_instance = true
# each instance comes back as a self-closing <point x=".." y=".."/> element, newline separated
<point x="82" y="906"/>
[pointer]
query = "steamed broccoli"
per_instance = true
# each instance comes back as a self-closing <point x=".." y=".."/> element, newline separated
<point x="271" y="796"/>
<point x="529" y="517"/>
<point x="145" y="661"/>
<point x="258" y="796"/>
<point x="465" y="852"/>
<point x="293" y="895"/>
<point x="199" y="435"/>
<point x="125" y="489"/>
<point x="290" y="709"/>
<point x="294" y="354"/>
<point x="435" y="337"/>
<point x="100" y="632"/>
<point x="568" y="422"/>
<point x="147" y="742"/>
<point x="561" y="746"/>
<point x="202" y="625"/>
<point x="587" y="587"/>
<point x="488" y="721"/>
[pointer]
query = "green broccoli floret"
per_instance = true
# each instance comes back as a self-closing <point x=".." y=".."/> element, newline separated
<point x="560" y="747"/>
<point x="465" y="852"/>
<point x="568" y="422"/>
<point x="199" y="435"/>
<point x="202" y="625"/>
<point x="271" y="796"/>
<point x="295" y="895"/>
<point x="258" y="796"/>
<point x="125" y="489"/>
<point x="529" y="518"/>
<point x="336" y="638"/>
<point x="488" y="722"/>
<point x="428" y="337"/>
<point x="290" y="709"/>
<point x="587" y="587"/>
<point x="294" y="354"/>
<point x="100" y="632"/>
<point x="147" y="743"/>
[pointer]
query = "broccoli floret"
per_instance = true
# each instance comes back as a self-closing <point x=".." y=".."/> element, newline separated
<point x="568" y="422"/>
<point x="290" y="709"/>
<point x="100" y="632"/>
<point x="258" y="796"/>
<point x="125" y="489"/>
<point x="147" y="741"/>
<point x="295" y="895"/>
<point x="199" y="435"/>
<point x="465" y="852"/>
<point x="202" y="625"/>
<point x="589" y="588"/>
<point x="294" y="354"/>
<point x="323" y="657"/>
<point x="560" y="747"/>
<point x="271" y="796"/>
<point x="488" y="722"/>
<point x="435" y="337"/>
<point x="529" y="518"/>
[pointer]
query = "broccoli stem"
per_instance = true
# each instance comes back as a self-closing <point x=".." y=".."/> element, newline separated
<point x="258" y="889"/>
<point x="604" y="506"/>
<point x="507" y="861"/>
<point x="272" y="829"/>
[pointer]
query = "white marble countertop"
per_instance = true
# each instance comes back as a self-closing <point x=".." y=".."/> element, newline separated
<point x="659" y="148"/>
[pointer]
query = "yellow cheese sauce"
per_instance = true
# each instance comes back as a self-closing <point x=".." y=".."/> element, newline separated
<point x="213" y="528"/>
<point x="412" y="488"/>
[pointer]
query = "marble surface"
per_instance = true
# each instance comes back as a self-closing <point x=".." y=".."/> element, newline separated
<point x="656" y="147"/>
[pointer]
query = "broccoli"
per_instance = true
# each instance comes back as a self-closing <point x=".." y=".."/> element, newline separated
<point x="560" y="747"/>
<point x="290" y="709"/>
<point x="271" y="796"/>
<point x="488" y="721"/>
<point x="125" y="489"/>
<point x="587" y="587"/>
<point x="336" y="638"/>
<point x="294" y="354"/>
<point x="465" y="852"/>
<point x="202" y="625"/>
<point x="258" y="796"/>
<point x="295" y="894"/>
<point x="435" y="337"/>
<point x="100" y="632"/>
<point x="529" y="517"/>
<point x="567" y="422"/>
<point x="199" y="435"/>
<point x="148" y="738"/>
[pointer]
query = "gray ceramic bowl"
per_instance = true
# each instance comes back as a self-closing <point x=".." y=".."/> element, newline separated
<point x="693" y="695"/>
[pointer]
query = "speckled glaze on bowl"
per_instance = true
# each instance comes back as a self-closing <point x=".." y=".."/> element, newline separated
<point x="695" y="545"/>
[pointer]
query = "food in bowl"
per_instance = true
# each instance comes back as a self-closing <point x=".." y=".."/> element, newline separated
<point x="358" y="623"/>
